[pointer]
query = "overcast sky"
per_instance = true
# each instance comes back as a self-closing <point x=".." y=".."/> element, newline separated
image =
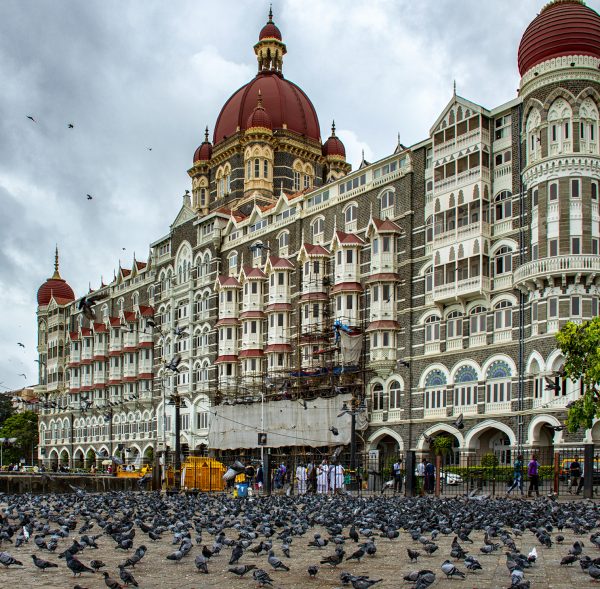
<point x="130" y="75"/>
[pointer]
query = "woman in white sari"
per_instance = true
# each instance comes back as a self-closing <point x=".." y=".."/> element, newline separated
<point x="323" y="478"/>
<point x="301" y="478"/>
<point x="336" y="476"/>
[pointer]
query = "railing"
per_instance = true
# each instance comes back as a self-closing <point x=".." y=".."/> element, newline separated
<point x="470" y="409"/>
<point x="501" y="227"/>
<point x="502" y="336"/>
<point x="500" y="407"/>
<point x="479" y="339"/>
<point x="503" y="170"/>
<point x="383" y="262"/>
<point x="502" y="282"/>
<point x="435" y="412"/>
<point x="454" y="344"/>
<point x="383" y="354"/>
<point x="460" y="288"/>
<point x="432" y="348"/>
<point x="557" y="265"/>
<point x="461" y="233"/>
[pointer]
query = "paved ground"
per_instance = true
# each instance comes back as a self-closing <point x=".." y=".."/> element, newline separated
<point x="390" y="563"/>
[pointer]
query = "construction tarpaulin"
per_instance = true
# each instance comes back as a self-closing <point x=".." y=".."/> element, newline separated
<point x="351" y="348"/>
<point x="286" y="423"/>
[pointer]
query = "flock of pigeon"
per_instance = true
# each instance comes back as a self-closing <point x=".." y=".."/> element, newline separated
<point x="303" y="541"/>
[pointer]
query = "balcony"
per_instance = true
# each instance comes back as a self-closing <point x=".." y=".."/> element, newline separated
<point x="532" y="274"/>
<point x="376" y="417"/>
<point x="459" y="234"/>
<point x="346" y="273"/>
<point x="432" y="348"/>
<point x="228" y="310"/>
<point x="465" y="409"/>
<point x="477" y="340"/>
<point x="454" y="344"/>
<point x="434" y="412"/>
<point x="461" y="289"/>
<point x="502" y="336"/>
<point x="500" y="407"/>
<point x="383" y="355"/>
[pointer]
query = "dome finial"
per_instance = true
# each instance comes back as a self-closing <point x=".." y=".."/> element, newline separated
<point x="206" y="134"/>
<point x="333" y="128"/>
<point x="259" y="103"/>
<point x="270" y="14"/>
<point x="56" y="272"/>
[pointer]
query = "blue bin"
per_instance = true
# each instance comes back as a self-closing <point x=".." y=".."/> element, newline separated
<point x="242" y="489"/>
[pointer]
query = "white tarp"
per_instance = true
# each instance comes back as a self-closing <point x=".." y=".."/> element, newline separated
<point x="286" y="423"/>
<point x="351" y="347"/>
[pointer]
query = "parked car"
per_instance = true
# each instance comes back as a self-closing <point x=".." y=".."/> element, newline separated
<point x="564" y="470"/>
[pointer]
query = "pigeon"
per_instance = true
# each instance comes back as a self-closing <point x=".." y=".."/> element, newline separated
<point x="363" y="583"/>
<point x="97" y="565"/>
<point x="173" y="363"/>
<point x="459" y="423"/>
<point x="313" y="569"/>
<point x="89" y="196"/>
<point x="334" y="430"/>
<point x="20" y="344"/>
<point x="450" y="570"/>
<point x="335" y="558"/>
<point x="42" y="564"/>
<point x="236" y="554"/>
<point x="412" y="554"/>
<point x="241" y="570"/>
<point x="262" y="578"/>
<point x="31" y="118"/>
<point x="111" y="583"/>
<point x="175" y="556"/>
<point x="86" y="303"/>
<point x="76" y="565"/>
<point x="276" y="563"/>
<point x="569" y="559"/>
<point x="127" y="577"/>
<point x="594" y="572"/>
<point x="201" y="563"/>
<point x="70" y="126"/>
<point x="357" y="555"/>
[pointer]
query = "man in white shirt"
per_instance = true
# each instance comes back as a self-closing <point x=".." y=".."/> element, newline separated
<point x="301" y="478"/>
<point x="397" y="472"/>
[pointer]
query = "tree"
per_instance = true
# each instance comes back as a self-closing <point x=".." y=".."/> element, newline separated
<point x="442" y="445"/>
<point x="6" y="408"/>
<point x="580" y="346"/>
<point x="24" y="427"/>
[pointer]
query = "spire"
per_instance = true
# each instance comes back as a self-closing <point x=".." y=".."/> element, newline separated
<point x="270" y="14"/>
<point x="454" y="88"/>
<point x="206" y="135"/>
<point x="333" y="128"/>
<point x="259" y="103"/>
<point x="56" y="272"/>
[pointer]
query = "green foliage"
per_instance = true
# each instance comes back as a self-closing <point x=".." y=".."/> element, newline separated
<point x="6" y="408"/>
<point x="499" y="473"/>
<point x="489" y="459"/>
<point x="24" y="427"/>
<point x="442" y="445"/>
<point x="580" y="345"/>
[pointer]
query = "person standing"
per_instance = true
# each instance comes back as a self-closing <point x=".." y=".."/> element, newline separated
<point x="429" y="476"/>
<point x="421" y="474"/>
<point x="336" y="478"/>
<point x="397" y="472"/>
<point x="323" y="478"/>
<point x="517" y="475"/>
<point x="575" y="472"/>
<point x="533" y="469"/>
<point x="311" y="475"/>
<point x="260" y="477"/>
<point x="301" y="479"/>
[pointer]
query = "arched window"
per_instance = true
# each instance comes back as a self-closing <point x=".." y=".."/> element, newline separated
<point x="233" y="260"/>
<point x="454" y="323"/>
<point x="429" y="229"/>
<point x="377" y="394"/>
<point x="559" y="127"/>
<point x="503" y="315"/>
<point x="395" y="395"/>
<point x="588" y="126"/>
<point x="532" y="129"/>
<point x="387" y="201"/>
<point x="478" y="320"/>
<point x="435" y="390"/>
<point x="429" y="279"/>
<point x="465" y="386"/>
<point x="283" y="240"/>
<point x="432" y="329"/>
<point x="350" y="217"/>
<point x="503" y="261"/>
<point x="498" y="387"/>
<point x="318" y="228"/>
<point x="503" y="206"/>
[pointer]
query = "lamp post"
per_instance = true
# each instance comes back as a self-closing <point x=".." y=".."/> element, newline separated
<point x="2" y="442"/>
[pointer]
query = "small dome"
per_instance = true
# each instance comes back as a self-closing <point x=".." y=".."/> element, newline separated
<point x="259" y="116"/>
<point x="270" y="30"/>
<point x="333" y="146"/>
<point x="54" y="287"/>
<point x="563" y="27"/>
<point x="204" y="152"/>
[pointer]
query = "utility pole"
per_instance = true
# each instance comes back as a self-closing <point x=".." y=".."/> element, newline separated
<point x="177" y="481"/>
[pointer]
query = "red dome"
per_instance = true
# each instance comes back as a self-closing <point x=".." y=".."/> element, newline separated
<point x="56" y="287"/>
<point x="333" y="145"/>
<point x="204" y="152"/>
<point x="259" y="118"/>
<point x="285" y="103"/>
<point x="563" y="27"/>
<point x="269" y="31"/>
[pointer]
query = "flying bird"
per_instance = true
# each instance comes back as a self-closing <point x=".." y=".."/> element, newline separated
<point x="31" y="118"/>
<point x="149" y="148"/>
<point x="23" y="375"/>
<point x="89" y="196"/>
<point x="20" y="344"/>
<point x="458" y="424"/>
<point x="334" y="430"/>
<point x="85" y="305"/>
<point x="71" y="126"/>
<point x="551" y="385"/>
<point x="174" y="363"/>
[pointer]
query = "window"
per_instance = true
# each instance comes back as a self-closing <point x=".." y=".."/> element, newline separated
<point x="553" y="308"/>
<point x="502" y="125"/>
<point x="429" y="229"/>
<point x="534" y="197"/>
<point x="350" y="216"/>
<point x="478" y="320"/>
<point x="395" y="395"/>
<point x="594" y="190"/>
<point x="353" y="183"/>
<point x="317" y="199"/>
<point x="465" y="386"/>
<point x="595" y="246"/>
<point x="265" y="168"/>
<point x="503" y="206"/>
<point x="296" y="181"/>
<point x="535" y="251"/>
<point x="534" y="312"/>
<point x="202" y="420"/>
<point x="454" y="325"/>
<point x="307" y="181"/>
<point x="283" y="240"/>
<point x="553" y="191"/>
<point x="576" y="306"/>
<point x="575" y="188"/>
<point x="387" y="202"/>
<point x="233" y="261"/>
<point x="503" y="261"/>
<point x="594" y="307"/>
<point x="575" y="245"/>
<point x="429" y="279"/>
<point x="435" y="390"/>
<point x="553" y="247"/>
<point x="349" y="256"/>
<point x="318" y="227"/>
<point x="378" y="397"/>
<point x="432" y="329"/>
<point x="503" y="315"/>
<point x="498" y="388"/>
<point x="429" y="158"/>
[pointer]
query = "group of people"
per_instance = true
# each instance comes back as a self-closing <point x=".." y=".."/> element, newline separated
<point x="426" y="473"/>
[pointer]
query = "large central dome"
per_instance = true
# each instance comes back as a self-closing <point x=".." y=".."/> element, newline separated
<point x="287" y="105"/>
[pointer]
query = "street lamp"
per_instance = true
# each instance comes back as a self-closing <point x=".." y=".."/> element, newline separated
<point x="356" y="409"/>
<point x="3" y="441"/>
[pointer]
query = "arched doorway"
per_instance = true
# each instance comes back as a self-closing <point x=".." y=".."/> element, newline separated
<point x="148" y="457"/>
<point x="64" y="458"/>
<point x="78" y="461"/>
<point x="53" y="460"/>
<point x="493" y="441"/>
<point x="90" y="458"/>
